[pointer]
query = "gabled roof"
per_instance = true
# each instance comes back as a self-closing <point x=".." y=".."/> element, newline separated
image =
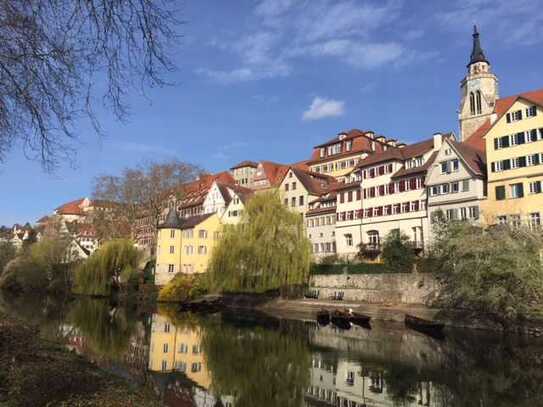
<point x="71" y="208"/>
<point x="193" y="221"/>
<point x="361" y="143"/>
<point x="501" y="108"/>
<point x="272" y="172"/>
<point x="315" y="183"/>
<point x="243" y="193"/>
<point x="474" y="158"/>
<point x="244" y="164"/>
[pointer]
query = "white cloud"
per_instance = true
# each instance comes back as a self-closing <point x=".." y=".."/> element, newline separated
<point x="348" y="31"/>
<point x="322" y="108"/>
<point x="497" y="18"/>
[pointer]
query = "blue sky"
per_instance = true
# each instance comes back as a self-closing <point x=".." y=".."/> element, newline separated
<point x="270" y="79"/>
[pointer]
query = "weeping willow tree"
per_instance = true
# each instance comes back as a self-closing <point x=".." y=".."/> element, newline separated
<point x="267" y="250"/>
<point x="115" y="262"/>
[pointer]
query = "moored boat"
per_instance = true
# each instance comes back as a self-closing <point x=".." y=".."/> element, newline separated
<point x="360" y="319"/>
<point x="432" y="328"/>
<point x="323" y="317"/>
<point x="340" y="319"/>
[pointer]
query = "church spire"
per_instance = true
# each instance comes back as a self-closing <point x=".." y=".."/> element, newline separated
<point x="477" y="54"/>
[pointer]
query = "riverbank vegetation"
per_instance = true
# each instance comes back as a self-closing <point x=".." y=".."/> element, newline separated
<point x="267" y="250"/>
<point x="34" y="372"/>
<point x="105" y="270"/>
<point x="183" y="287"/>
<point x="38" y="267"/>
<point x="7" y="253"/>
<point x="496" y="273"/>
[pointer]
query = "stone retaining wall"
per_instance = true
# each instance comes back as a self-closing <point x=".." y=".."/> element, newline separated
<point x="387" y="288"/>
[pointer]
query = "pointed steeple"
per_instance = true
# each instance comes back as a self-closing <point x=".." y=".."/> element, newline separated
<point x="172" y="221"/>
<point x="477" y="54"/>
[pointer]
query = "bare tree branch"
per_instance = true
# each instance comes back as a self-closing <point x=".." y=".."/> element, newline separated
<point x="55" y="54"/>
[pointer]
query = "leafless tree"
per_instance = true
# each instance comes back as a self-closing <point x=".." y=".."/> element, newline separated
<point x="59" y="58"/>
<point x="140" y="192"/>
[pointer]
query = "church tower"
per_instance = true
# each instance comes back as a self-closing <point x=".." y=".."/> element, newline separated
<point x="479" y="91"/>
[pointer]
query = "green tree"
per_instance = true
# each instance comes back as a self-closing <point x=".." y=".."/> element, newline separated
<point x="398" y="254"/>
<point x="106" y="268"/>
<point x="267" y="250"/>
<point x="495" y="272"/>
<point x="7" y="253"/>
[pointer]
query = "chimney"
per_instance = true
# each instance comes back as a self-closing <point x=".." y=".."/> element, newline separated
<point x="400" y="145"/>
<point x="438" y="139"/>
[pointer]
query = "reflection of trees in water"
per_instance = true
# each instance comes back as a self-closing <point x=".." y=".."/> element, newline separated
<point x="107" y="330"/>
<point x="258" y="366"/>
<point x="502" y="372"/>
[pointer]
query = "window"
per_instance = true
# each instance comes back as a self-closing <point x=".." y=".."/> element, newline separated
<point x="349" y="239"/>
<point x="517" y="190"/>
<point x="189" y="250"/>
<point x="455" y="165"/>
<point x="183" y="348"/>
<point x="472" y="103"/>
<point x="535" y="187"/>
<point x="196" y="367"/>
<point x="474" y="212"/>
<point x="322" y="152"/>
<point x="535" y="220"/>
<point x="172" y="233"/>
<point x="294" y="186"/>
<point x="172" y="249"/>
<point x="171" y="268"/>
<point x="164" y="365"/>
<point x="180" y="366"/>
<point x="465" y="185"/>
<point x="285" y="201"/>
<point x="515" y="221"/>
<point x="348" y="145"/>
<point x="350" y="196"/>
<point x="445" y="188"/>
<point x="373" y="238"/>
<point x="500" y="193"/>
<point x="202" y="249"/>
<point x="293" y="201"/>
<point x="165" y="348"/>
<point x="301" y="200"/>
<point x="531" y="111"/>
<point x="478" y="102"/>
<point x="463" y="213"/>
<point x="455" y="187"/>
<point x="514" y="116"/>
<point x="502" y="220"/>
<point x="202" y="234"/>
<point x="434" y="190"/>
<point x="445" y="167"/>
<point x="286" y="186"/>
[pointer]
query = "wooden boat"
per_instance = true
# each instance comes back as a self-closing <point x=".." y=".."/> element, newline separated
<point x="360" y="319"/>
<point x="340" y="319"/>
<point x="323" y="317"/>
<point x="431" y="328"/>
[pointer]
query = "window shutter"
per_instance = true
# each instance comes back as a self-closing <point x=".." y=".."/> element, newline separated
<point x="508" y="117"/>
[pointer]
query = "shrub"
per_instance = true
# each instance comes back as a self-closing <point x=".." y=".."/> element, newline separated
<point x="495" y="272"/>
<point x="183" y="287"/>
<point x="329" y="260"/>
<point x="398" y="254"/>
<point x="7" y="253"/>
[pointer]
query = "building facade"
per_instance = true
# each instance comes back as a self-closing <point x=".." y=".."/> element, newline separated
<point x="456" y="183"/>
<point x="321" y="225"/>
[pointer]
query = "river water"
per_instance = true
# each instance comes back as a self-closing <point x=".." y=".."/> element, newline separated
<point x="249" y="360"/>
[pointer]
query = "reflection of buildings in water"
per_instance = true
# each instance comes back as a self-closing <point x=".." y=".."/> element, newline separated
<point x="344" y="383"/>
<point x="176" y="353"/>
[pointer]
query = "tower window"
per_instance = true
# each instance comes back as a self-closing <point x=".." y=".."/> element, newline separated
<point x="472" y="103"/>
<point x="479" y="104"/>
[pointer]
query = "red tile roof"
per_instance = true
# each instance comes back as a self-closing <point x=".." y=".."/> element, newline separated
<point x="245" y="163"/>
<point x="315" y="183"/>
<point x="272" y="172"/>
<point x="71" y="208"/>
<point x="362" y="142"/>
<point x="405" y="172"/>
<point x="473" y="157"/>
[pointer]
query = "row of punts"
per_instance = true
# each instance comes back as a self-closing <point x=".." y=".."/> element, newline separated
<point x="344" y="319"/>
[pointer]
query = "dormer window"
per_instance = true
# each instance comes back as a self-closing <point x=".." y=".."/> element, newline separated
<point x="514" y="116"/>
<point x="348" y="145"/>
<point x="531" y="111"/>
<point x="322" y="152"/>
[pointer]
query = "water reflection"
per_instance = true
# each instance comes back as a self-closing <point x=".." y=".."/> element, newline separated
<point x="246" y="360"/>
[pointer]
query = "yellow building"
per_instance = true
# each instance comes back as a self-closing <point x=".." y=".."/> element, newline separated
<point x="177" y="349"/>
<point x="185" y="245"/>
<point x="513" y="139"/>
<point x="510" y="131"/>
